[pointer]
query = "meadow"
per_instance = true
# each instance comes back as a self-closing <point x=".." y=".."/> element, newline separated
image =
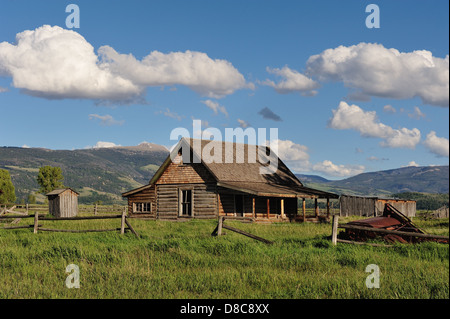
<point x="182" y="260"/>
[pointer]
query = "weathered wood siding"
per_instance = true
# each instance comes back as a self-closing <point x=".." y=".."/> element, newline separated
<point x="185" y="174"/>
<point x="64" y="204"/>
<point x="372" y="206"/>
<point x="360" y="206"/>
<point x="145" y="196"/>
<point x="406" y="207"/>
<point x="204" y="202"/>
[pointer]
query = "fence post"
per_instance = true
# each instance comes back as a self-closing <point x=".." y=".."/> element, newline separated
<point x="36" y="219"/>
<point x="122" y="226"/>
<point x="219" y="227"/>
<point x="334" y="229"/>
<point x="95" y="209"/>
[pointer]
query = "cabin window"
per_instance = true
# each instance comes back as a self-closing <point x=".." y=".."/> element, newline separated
<point x="142" y="207"/>
<point x="186" y="202"/>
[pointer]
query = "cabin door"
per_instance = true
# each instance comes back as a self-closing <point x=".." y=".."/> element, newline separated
<point x="239" y="205"/>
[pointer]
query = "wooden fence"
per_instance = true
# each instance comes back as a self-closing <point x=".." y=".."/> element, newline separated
<point x="41" y="217"/>
<point x="94" y="209"/>
<point x="336" y="225"/>
<point x="218" y="230"/>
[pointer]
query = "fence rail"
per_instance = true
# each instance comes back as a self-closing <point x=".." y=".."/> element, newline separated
<point x="124" y="225"/>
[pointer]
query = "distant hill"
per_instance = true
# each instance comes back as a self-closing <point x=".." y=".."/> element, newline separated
<point x="97" y="173"/>
<point x="425" y="179"/>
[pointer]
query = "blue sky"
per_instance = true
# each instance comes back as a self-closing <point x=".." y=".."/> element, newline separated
<point x="345" y="98"/>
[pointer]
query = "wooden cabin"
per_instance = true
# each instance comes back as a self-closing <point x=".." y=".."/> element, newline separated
<point x="63" y="202"/>
<point x="373" y="206"/>
<point x="189" y="186"/>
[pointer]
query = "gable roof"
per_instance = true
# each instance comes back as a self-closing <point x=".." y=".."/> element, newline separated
<point x="233" y="168"/>
<point x="60" y="191"/>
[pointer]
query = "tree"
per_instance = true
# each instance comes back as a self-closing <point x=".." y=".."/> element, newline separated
<point x="31" y="199"/>
<point x="49" y="178"/>
<point x="7" y="190"/>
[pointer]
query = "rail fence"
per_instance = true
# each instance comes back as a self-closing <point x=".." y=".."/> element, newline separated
<point x="124" y="225"/>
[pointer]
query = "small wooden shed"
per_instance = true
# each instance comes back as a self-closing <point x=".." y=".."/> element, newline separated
<point x="374" y="206"/>
<point x="63" y="202"/>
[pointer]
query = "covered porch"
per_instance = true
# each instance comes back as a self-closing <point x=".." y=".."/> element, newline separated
<point x="262" y="202"/>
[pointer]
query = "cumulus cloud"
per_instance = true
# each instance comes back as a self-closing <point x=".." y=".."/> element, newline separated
<point x="293" y="81"/>
<point x="269" y="115"/>
<point x="55" y="63"/>
<point x="352" y="117"/>
<point x="216" y="107"/>
<point x="328" y="168"/>
<point x="105" y="120"/>
<point x="373" y="70"/>
<point x="209" y="77"/>
<point x="437" y="145"/>
<point x="296" y="157"/>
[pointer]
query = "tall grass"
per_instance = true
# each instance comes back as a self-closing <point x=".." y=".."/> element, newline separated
<point x="183" y="260"/>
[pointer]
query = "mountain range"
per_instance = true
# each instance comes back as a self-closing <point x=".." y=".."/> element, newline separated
<point x="103" y="174"/>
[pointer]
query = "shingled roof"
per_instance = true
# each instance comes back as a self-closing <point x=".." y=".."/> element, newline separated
<point x="232" y="168"/>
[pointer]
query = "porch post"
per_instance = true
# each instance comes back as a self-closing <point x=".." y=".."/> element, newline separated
<point x="282" y="208"/>
<point x="253" y="208"/>
<point x="304" y="208"/>
<point x="268" y="208"/>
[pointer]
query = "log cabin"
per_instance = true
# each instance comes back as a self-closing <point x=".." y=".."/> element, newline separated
<point x="226" y="182"/>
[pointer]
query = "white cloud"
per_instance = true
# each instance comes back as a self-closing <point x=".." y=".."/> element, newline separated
<point x="412" y="163"/>
<point x="106" y="120"/>
<point x="216" y="107"/>
<point x="101" y="144"/>
<point x="328" y="168"/>
<point x="243" y="123"/>
<point x="293" y="81"/>
<point x="389" y="109"/>
<point x="196" y="70"/>
<point x="25" y="146"/>
<point x="437" y="145"/>
<point x="417" y="114"/>
<point x="170" y="114"/>
<point x="373" y="70"/>
<point x="352" y="117"/>
<point x="55" y="63"/>
<point x="2" y="89"/>
<point x="52" y="62"/>
<point x="292" y="154"/>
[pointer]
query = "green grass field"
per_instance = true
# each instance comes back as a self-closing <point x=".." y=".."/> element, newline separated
<point x="183" y="260"/>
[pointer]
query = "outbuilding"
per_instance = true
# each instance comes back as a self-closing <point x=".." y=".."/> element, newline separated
<point x="373" y="206"/>
<point x="63" y="202"/>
